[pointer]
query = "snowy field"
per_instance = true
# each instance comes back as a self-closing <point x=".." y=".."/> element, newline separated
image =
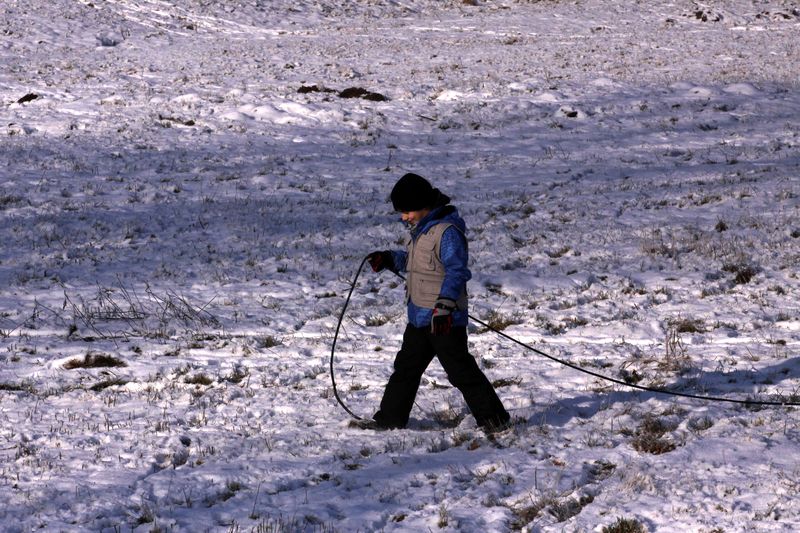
<point x="187" y="189"/>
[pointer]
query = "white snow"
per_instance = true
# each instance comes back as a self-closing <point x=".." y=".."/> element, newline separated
<point x="181" y="224"/>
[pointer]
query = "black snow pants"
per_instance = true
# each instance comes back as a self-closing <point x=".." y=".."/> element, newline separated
<point x="418" y="350"/>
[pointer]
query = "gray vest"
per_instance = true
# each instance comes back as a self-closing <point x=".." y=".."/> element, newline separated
<point x="425" y="269"/>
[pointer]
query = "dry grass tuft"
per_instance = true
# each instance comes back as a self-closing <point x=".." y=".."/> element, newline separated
<point x="95" y="360"/>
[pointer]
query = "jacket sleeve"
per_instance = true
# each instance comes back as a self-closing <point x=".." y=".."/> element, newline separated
<point x="400" y="258"/>
<point x="454" y="257"/>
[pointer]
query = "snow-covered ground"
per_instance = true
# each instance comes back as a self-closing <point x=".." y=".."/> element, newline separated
<point x="186" y="193"/>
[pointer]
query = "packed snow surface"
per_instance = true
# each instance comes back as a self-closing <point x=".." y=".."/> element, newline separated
<point x="187" y="189"/>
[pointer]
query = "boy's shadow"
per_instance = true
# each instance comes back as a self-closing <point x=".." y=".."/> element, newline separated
<point x="741" y="385"/>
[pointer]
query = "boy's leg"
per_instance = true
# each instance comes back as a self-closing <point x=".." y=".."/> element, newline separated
<point x="413" y="358"/>
<point x="464" y="373"/>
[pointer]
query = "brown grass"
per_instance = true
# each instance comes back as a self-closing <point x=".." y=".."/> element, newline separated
<point x="95" y="360"/>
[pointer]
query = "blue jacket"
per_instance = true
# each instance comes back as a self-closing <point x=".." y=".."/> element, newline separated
<point x="454" y="256"/>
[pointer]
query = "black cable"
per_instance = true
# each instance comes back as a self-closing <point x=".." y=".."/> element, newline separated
<point x="557" y="360"/>
<point x="634" y="385"/>
<point x="336" y="336"/>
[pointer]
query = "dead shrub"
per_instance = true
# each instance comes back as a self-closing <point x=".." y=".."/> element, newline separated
<point x="743" y="272"/>
<point x="676" y="359"/>
<point x="448" y="417"/>
<point x="625" y="525"/>
<point x="506" y="382"/>
<point x="95" y="360"/>
<point x="360" y="92"/>
<point x="630" y="376"/>
<point x="198" y="379"/>
<point x="268" y="342"/>
<point x="700" y="423"/>
<point x="688" y="325"/>
<point x="374" y="321"/>
<point x="558" y="252"/>
<point x="97" y="387"/>
<point x="649" y="436"/>
<point x="16" y="387"/>
<point x="498" y="321"/>
<point x="526" y="514"/>
<point x="563" y="511"/>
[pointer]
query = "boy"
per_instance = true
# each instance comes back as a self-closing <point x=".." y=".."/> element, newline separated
<point x="436" y="292"/>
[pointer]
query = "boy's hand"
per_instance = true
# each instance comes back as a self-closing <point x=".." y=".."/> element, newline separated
<point x="380" y="260"/>
<point x="442" y="320"/>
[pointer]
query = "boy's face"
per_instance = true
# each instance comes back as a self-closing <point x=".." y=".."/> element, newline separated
<point x="412" y="218"/>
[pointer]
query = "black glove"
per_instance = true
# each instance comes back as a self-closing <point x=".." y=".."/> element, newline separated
<point x="380" y="260"/>
<point x="442" y="319"/>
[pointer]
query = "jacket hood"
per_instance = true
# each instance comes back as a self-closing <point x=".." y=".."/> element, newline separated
<point x="446" y="213"/>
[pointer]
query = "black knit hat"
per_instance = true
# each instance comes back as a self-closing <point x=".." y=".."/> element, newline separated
<point x="413" y="192"/>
